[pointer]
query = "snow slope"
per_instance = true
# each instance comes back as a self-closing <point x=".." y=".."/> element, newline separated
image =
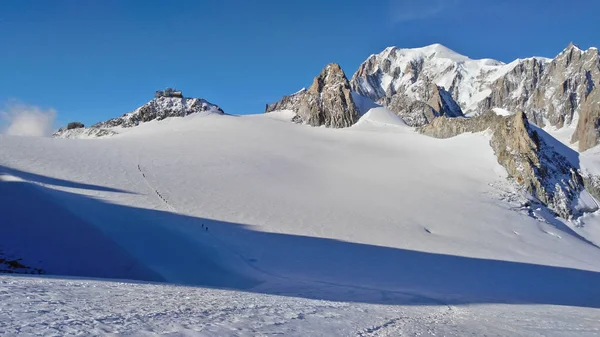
<point x="265" y="207"/>
<point x="380" y="117"/>
<point x="34" y="306"/>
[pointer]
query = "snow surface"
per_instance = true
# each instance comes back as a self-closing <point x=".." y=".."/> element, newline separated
<point x="363" y="104"/>
<point x="380" y="117"/>
<point x="356" y="231"/>
<point x="282" y="115"/>
<point x="59" y="307"/>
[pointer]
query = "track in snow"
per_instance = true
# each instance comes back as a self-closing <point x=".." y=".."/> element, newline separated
<point x="247" y="261"/>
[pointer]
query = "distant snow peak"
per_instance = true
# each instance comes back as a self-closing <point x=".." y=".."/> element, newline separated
<point x="554" y="90"/>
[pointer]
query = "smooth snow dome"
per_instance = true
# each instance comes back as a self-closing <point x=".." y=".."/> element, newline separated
<point x="284" y="115"/>
<point x="380" y="117"/>
<point x="363" y="104"/>
<point x="264" y="207"/>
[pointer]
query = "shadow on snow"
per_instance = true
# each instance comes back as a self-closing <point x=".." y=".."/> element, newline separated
<point x="55" y="181"/>
<point x="44" y="226"/>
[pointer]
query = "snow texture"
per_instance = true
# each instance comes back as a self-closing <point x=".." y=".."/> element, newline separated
<point x="372" y="230"/>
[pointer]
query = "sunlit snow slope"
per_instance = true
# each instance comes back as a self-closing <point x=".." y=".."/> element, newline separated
<point x="366" y="214"/>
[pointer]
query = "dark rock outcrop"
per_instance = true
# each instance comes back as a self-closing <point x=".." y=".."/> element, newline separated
<point x="434" y="102"/>
<point x="327" y="102"/>
<point x="75" y="125"/>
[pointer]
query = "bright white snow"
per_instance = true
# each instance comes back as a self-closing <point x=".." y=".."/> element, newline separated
<point x="263" y="208"/>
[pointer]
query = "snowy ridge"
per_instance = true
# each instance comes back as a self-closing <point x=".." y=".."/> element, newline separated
<point x="556" y="91"/>
<point x="393" y="69"/>
<point x="157" y="109"/>
<point x="380" y="116"/>
<point x="160" y="108"/>
<point x="467" y="80"/>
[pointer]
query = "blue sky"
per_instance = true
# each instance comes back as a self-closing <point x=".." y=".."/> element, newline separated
<point x="91" y="60"/>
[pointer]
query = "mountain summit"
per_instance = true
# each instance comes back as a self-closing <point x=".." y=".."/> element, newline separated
<point x="161" y="107"/>
<point x="328" y="101"/>
<point x="557" y="92"/>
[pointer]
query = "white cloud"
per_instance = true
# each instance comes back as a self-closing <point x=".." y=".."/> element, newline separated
<point x="411" y="10"/>
<point x="27" y="120"/>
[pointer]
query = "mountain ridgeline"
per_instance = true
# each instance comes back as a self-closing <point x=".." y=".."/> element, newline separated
<point x="444" y="94"/>
<point x="159" y="108"/>
<point x="424" y="83"/>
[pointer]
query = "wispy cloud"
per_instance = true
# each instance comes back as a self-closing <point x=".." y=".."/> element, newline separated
<point x="27" y="120"/>
<point x="412" y="10"/>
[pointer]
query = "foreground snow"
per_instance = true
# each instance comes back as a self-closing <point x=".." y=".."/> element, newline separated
<point x="371" y="215"/>
<point x="58" y="307"/>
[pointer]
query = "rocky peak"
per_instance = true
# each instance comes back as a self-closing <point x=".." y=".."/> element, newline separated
<point x="159" y="108"/>
<point x="328" y="101"/>
<point x="330" y="77"/>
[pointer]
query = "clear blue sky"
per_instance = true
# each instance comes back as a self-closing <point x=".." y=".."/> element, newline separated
<point x="91" y="60"/>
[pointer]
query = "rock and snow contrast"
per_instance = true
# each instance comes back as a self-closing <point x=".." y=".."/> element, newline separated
<point x="329" y="101"/>
<point x="428" y="204"/>
<point x="158" y="109"/>
<point x="559" y="92"/>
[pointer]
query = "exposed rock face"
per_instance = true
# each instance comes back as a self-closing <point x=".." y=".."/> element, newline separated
<point x="558" y="91"/>
<point x="433" y="101"/>
<point x="534" y="164"/>
<point x="291" y="102"/>
<point x="433" y="76"/>
<point x="555" y="91"/>
<point x="160" y="108"/>
<point x="588" y="126"/>
<point x="328" y="101"/>
<point x="157" y="109"/>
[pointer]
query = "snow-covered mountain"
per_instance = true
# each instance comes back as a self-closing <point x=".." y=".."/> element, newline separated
<point x="158" y="108"/>
<point x="554" y="92"/>
<point x="414" y="73"/>
<point x="365" y="227"/>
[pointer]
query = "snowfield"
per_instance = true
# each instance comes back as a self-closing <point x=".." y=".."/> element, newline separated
<point x="262" y="227"/>
<point x="59" y="307"/>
